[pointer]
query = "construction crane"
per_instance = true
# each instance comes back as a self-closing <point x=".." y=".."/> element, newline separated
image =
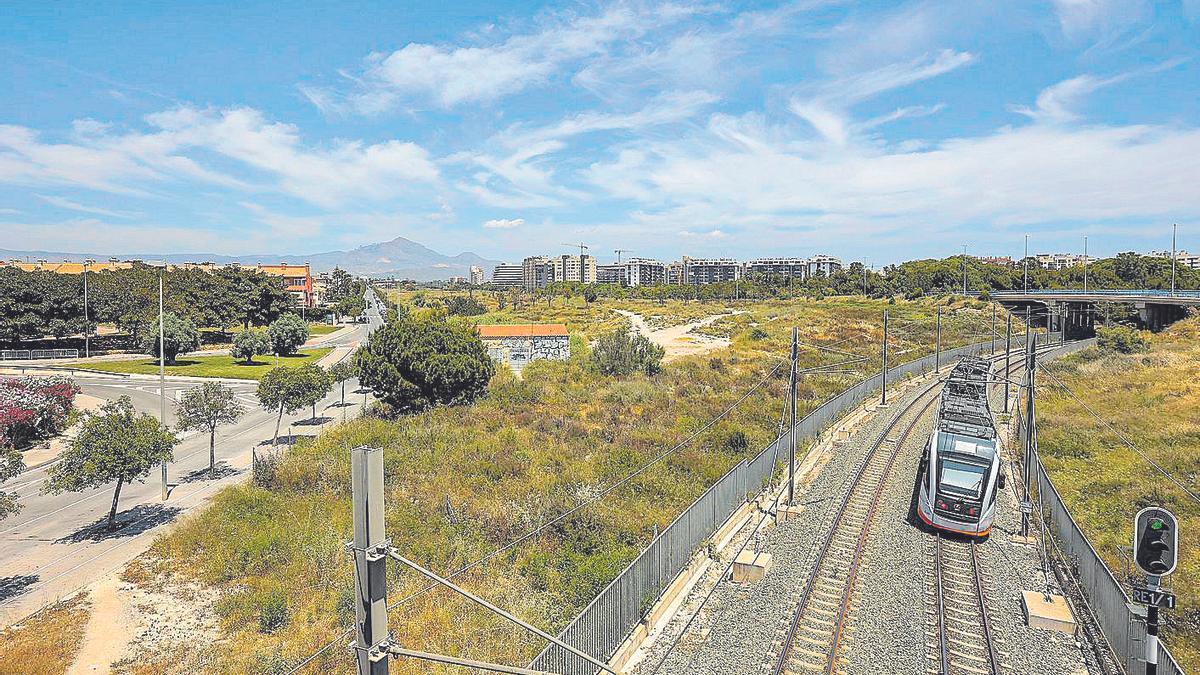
<point x="619" y="251"/>
<point x="582" y="247"/>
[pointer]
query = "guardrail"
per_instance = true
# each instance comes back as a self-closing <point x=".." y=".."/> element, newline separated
<point x="32" y="354"/>
<point x="603" y="625"/>
<point x="1142" y="293"/>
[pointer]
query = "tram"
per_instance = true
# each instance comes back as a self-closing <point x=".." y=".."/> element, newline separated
<point x="960" y="471"/>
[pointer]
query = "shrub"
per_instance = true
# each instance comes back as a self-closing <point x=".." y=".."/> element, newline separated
<point x="33" y="408"/>
<point x="458" y="305"/>
<point x="1121" y="340"/>
<point x="179" y="336"/>
<point x="914" y="294"/>
<point x="273" y="613"/>
<point x="759" y="333"/>
<point x="287" y="333"/>
<point x="412" y="363"/>
<point x="250" y="343"/>
<point x="622" y="353"/>
<point x="736" y="442"/>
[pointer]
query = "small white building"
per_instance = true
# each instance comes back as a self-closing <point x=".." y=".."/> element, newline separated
<point x="517" y="344"/>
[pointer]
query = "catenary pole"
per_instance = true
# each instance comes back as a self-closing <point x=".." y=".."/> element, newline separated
<point x="1085" y="263"/>
<point x="162" y="372"/>
<point x="937" y="345"/>
<point x="87" y="327"/>
<point x="1030" y="365"/>
<point x="1007" y="358"/>
<point x="370" y="561"/>
<point x="1026" y="261"/>
<point x="994" y="329"/>
<point x="883" y="399"/>
<point x="792" y="432"/>
<point x="1174" y="231"/>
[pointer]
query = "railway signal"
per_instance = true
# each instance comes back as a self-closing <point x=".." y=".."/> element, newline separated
<point x="1155" y="542"/>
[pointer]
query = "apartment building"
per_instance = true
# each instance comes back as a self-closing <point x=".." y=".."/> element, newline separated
<point x="296" y="279"/>
<point x="788" y="268"/>
<point x="1182" y="258"/>
<point x="611" y="274"/>
<point x="577" y="268"/>
<point x="537" y="272"/>
<point x="711" y="270"/>
<point x="477" y="278"/>
<point x="644" y="272"/>
<point x="508" y="275"/>
<point x="823" y="265"/>
<point x="1060" y="261"/>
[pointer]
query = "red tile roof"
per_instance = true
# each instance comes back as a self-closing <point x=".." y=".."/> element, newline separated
<point x="522" y="330"/>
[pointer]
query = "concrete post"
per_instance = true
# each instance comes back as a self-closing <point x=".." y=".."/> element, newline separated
<point x="792" y="432"/>
<point x="1007" y="358"/>
<point x="883" y="399"/>
<point x="370" y="549"/>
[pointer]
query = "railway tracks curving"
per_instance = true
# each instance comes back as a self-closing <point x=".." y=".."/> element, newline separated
<point x="813" y="641"/>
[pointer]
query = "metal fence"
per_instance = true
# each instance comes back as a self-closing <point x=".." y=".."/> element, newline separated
<point x="1124" y="630"/>
<point x="30" y="354"/>
<point x="603" y="625"/>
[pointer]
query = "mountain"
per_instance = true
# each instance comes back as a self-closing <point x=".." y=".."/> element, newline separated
<point x="401" y="258"/>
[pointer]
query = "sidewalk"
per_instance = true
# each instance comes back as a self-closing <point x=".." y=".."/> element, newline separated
<point x="44" y="453"/>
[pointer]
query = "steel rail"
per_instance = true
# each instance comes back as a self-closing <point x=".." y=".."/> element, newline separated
<point x="827" y="541"/>
<point x="993" y="657"/>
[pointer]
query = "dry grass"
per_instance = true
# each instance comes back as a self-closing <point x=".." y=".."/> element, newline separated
<point x="1153" y="399"/>
<point x="463" y="480"/>
<point x="44" y="642"/>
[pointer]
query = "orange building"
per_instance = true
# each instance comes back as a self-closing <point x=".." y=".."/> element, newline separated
<point x="297" y="279"/>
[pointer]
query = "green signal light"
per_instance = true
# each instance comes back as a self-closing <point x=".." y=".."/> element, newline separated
<point x="1157" y="524"/>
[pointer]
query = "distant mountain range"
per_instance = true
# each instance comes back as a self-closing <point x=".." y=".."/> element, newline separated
<point x="401" y="258"/>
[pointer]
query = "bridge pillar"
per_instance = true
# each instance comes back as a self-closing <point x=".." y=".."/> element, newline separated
<point x="1080" y="321"/>
<point x="1155" y="316"/>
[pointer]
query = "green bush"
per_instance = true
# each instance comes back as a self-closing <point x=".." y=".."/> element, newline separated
<point x="759" y="333"/>
<point x="287" y="333"/>
<point x="179" y="336"/>
<point x="1121" y="340"/>
<point x="250" y="343"/>
<point x="621" y="353"/>
<point x="459" y="305"/>
<point x="273" y="613"/>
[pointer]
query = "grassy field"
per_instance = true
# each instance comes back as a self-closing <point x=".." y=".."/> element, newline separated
<point x="207" y="366"/>
<point x="316" y="329"/>
<point x="462" y="481"/>
<point x="1152" y="399"/>
<point x="41" y="644"/>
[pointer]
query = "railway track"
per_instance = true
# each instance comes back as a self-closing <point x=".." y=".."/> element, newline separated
<point x="961" y="641"/>
<point x="814" y="638"/>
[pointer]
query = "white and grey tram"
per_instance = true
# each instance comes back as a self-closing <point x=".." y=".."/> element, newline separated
<point x="960" y="471"/>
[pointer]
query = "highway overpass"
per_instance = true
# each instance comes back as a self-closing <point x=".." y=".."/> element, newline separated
<point x="1074" y="310"/>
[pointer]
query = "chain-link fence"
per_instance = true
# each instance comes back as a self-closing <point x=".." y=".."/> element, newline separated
<point x="605" y="623"/>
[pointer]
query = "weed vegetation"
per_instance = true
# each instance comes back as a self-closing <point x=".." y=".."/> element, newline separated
<point x="221" y="365"/>
<point x="41" y="644"/>
<point x="1152" y="398"/>
<point x="463" y="481"/>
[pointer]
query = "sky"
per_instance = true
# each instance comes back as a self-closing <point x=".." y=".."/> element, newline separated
<point x="882" y="131"/>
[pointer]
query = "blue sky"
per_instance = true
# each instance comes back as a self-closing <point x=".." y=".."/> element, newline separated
<point x="879" y="130"/>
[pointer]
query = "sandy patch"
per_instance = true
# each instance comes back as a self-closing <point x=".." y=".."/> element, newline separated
<point x="679" y="341"/>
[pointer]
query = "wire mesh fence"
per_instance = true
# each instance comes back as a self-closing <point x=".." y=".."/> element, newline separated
<point x="31" y="354"/>
<point x="604" y="625"/>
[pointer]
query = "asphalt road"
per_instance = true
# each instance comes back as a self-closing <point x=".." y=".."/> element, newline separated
<point x="57" y="544"/>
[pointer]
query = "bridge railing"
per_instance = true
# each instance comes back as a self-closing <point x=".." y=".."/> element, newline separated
<point x="604" y="625"/>
<point x="1148" y="293"/>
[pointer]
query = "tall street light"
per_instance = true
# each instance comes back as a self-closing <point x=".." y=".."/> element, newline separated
<point x="1174" y="230"/>
<point x="162" y="374"/>
<point x="1026" y="261"/>
<point x="1085" y="262"/>
<point x="87" y="326"/>
<point x="964" y="268"/>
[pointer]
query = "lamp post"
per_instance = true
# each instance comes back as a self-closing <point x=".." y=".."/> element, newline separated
<point x="1025" y="260"/>
<point x="964" y="268"/>
<point x="1085" y="262"/>
<point x="1174" y="230"/>
<point x="87" y="326"/>
<point x="162" y="375"/>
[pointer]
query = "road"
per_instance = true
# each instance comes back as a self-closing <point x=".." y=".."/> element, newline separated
<point x="57" y="544"/>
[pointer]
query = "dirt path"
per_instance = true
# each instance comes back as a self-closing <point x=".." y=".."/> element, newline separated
<point x="108" y="631"/>
<point x="678" y="341"/>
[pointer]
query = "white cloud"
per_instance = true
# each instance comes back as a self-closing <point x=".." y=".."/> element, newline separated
<point x="64" y="203"/>
<point x="1100" y="20"/>
<point x="1056" y="103"/>
<point x="455" y="75"/>
<point x="503" y="223"/>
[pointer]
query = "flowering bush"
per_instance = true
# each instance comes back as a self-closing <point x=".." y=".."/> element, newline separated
<point x="33" y="408"/>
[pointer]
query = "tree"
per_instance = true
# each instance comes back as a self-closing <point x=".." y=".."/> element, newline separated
<point x="250" y="343"/>
<point x="287" y="333"/>
<point x="340" y="372"/>
<point x="118" y="443"/>
<point x="290" y="389"/>
<point x="11" y="465"/>
<point x="457" y="305"/>
<point x="589" y="295"/>
<point x="179" y="336"/>
<point x="352" y="306"/>
<point x="206" y="407"/>
<point x="414" y="363"/>
<point x="622" y="353"/>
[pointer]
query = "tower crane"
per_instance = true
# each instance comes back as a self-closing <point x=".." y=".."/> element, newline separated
<point x="582" y="247"/>
<point x="619" y="251"/>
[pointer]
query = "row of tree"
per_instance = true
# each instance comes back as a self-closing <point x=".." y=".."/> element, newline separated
<point x="39" y="303"/>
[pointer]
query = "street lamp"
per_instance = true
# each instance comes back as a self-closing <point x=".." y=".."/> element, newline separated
<point x="1026" y="261"/>
<point x="1174" y="230"/>
<point x="1085" y="262"/>
<point x="87" y="326"/>
<point x="162" y="362"/>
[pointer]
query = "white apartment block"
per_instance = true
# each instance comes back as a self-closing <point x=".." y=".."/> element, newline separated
<point x="791" y="268"/>
<point x="1060" y="261"/>
<point x="577" y="268"/>
<point x="537" y="272"/>
<point x="476" y="277"/>
<point x="711" y="270"/>
<point x="823" y="265"/>
<point x="1182" y="258"/>
<point x="508" y="275"/>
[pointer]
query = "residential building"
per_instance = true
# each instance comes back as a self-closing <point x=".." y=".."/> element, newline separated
<point x="711" y="270"/>
<point x="296" y="279"/>
<point x="68" y="267"/>
<point x="1003" y="261"/>
<point x="611" y="274"/>
<point x="537" y="272"/>
<point x="518" y="344"/>
<point x="577" y="268"/>
<point x="477" y="278"/>
<point x="1060" y="261"/>
<point x="1182" y="258"/>
<point x="823" y="265"/>
<point x="788" y="268"/>
<point x="643" y="272"/>
<point x="508" y="275"/>
<point x="457" y="280"/>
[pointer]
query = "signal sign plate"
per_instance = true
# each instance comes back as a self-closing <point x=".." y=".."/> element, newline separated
<point x="1145" y="596"/>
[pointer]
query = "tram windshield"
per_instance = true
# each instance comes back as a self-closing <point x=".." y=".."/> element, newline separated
<point x="963" y="477"/>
